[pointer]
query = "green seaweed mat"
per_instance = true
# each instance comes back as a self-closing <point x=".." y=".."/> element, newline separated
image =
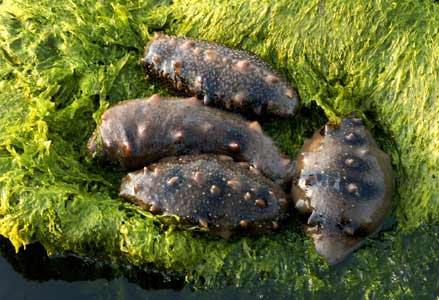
<point x="62" y="63"/>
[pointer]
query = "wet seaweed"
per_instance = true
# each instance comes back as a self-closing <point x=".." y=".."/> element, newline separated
<point x="62" y="66"/>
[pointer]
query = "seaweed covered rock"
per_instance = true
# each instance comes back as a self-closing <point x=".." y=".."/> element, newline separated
<point x="61" y="65"/>
<point x="212" y="191"/>
<point x="343" y="184"/>
<point x="224" y="77"/>
<point x="138" y="132"/>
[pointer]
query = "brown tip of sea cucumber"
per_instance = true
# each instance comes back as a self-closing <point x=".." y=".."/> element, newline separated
<point x="255" y="126"/>
<point x="254" y="170"/>
<point x="172" y="180"/>
<point x="197" y="51"/>
<point x="105" y="116"/>
<point x="234" y="184"/>
<point x="157" y="172"/>
<point x="177" y="67"/>
<point x="244" y="165"/>
<point x="126" y="149"/>
<point x="214" y="189"/>
<point x="206" y="100"/>
<point x="352" y="188"/>
<point x="239" y="98"/>
<point x="141" y="130"/>
<point x="364" y="152"/>
<point x="145" y="170"/>
<point x="198" y="82"/>
<point x="156" y="59"/>
<point x="271" y="79"/>
<point x="234" y="146"/>
<point x="225" y="157"/>
<point x="187" y="45"/>
<point x="247" y="196"/>
<point x="349" y="161"/>
<point x="210" y="55"/>
<point x="128" y="178"/>
<point x="154" y="208"/>
<point x="199" y="177"/>
<point x="244" y="223"/>
<point x="173" y="41"/>
<point x="203" y="222"/>
<point x="328" y="128"/>
<point x="289" y="93"/>
<point x="243" y="66"/>
<point x="179" y="136"/>
<point x="154" y="99"/>
<point x="261" y="203"/>
<point x="350" y="136"/>
<point x="349" y="230"/>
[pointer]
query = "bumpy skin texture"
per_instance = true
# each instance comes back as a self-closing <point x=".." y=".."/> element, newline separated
<point x="138" y="132"/>
<point x="212" y="191"/>
<point x="344" y="183"/>
<point x="228" y="78"/>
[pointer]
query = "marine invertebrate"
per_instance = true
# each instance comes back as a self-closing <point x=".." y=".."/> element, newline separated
<point x="228" y="78"/>
<point x="343" y="184"/>
<point x="212" y="191"/>
<point x="138" y="132"/>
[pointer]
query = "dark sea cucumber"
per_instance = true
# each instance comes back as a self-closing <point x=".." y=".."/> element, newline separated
<point x="210" y="190"/>
<point x="227" y="78"/>
<point x="343" y="184"/>
<point x="138" y="132"/>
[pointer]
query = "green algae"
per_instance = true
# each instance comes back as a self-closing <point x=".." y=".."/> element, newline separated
<point x="62" y="66"/>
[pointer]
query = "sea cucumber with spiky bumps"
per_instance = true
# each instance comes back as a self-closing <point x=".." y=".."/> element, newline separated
<point x="135" y="133"/>
<point x="211" y="191"/>
<point x="343" y="185"/>
<point x="223" y="77"/>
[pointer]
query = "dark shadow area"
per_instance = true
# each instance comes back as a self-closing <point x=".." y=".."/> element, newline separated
<point x="32" y="274"/>
<point x="34" y="264"/>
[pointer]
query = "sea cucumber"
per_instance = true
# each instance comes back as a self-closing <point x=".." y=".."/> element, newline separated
<point x="212" y="191"/>
<point x="135" y="133"/>
<point x="223" y="77"/>
<point x="343" y="184"/>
